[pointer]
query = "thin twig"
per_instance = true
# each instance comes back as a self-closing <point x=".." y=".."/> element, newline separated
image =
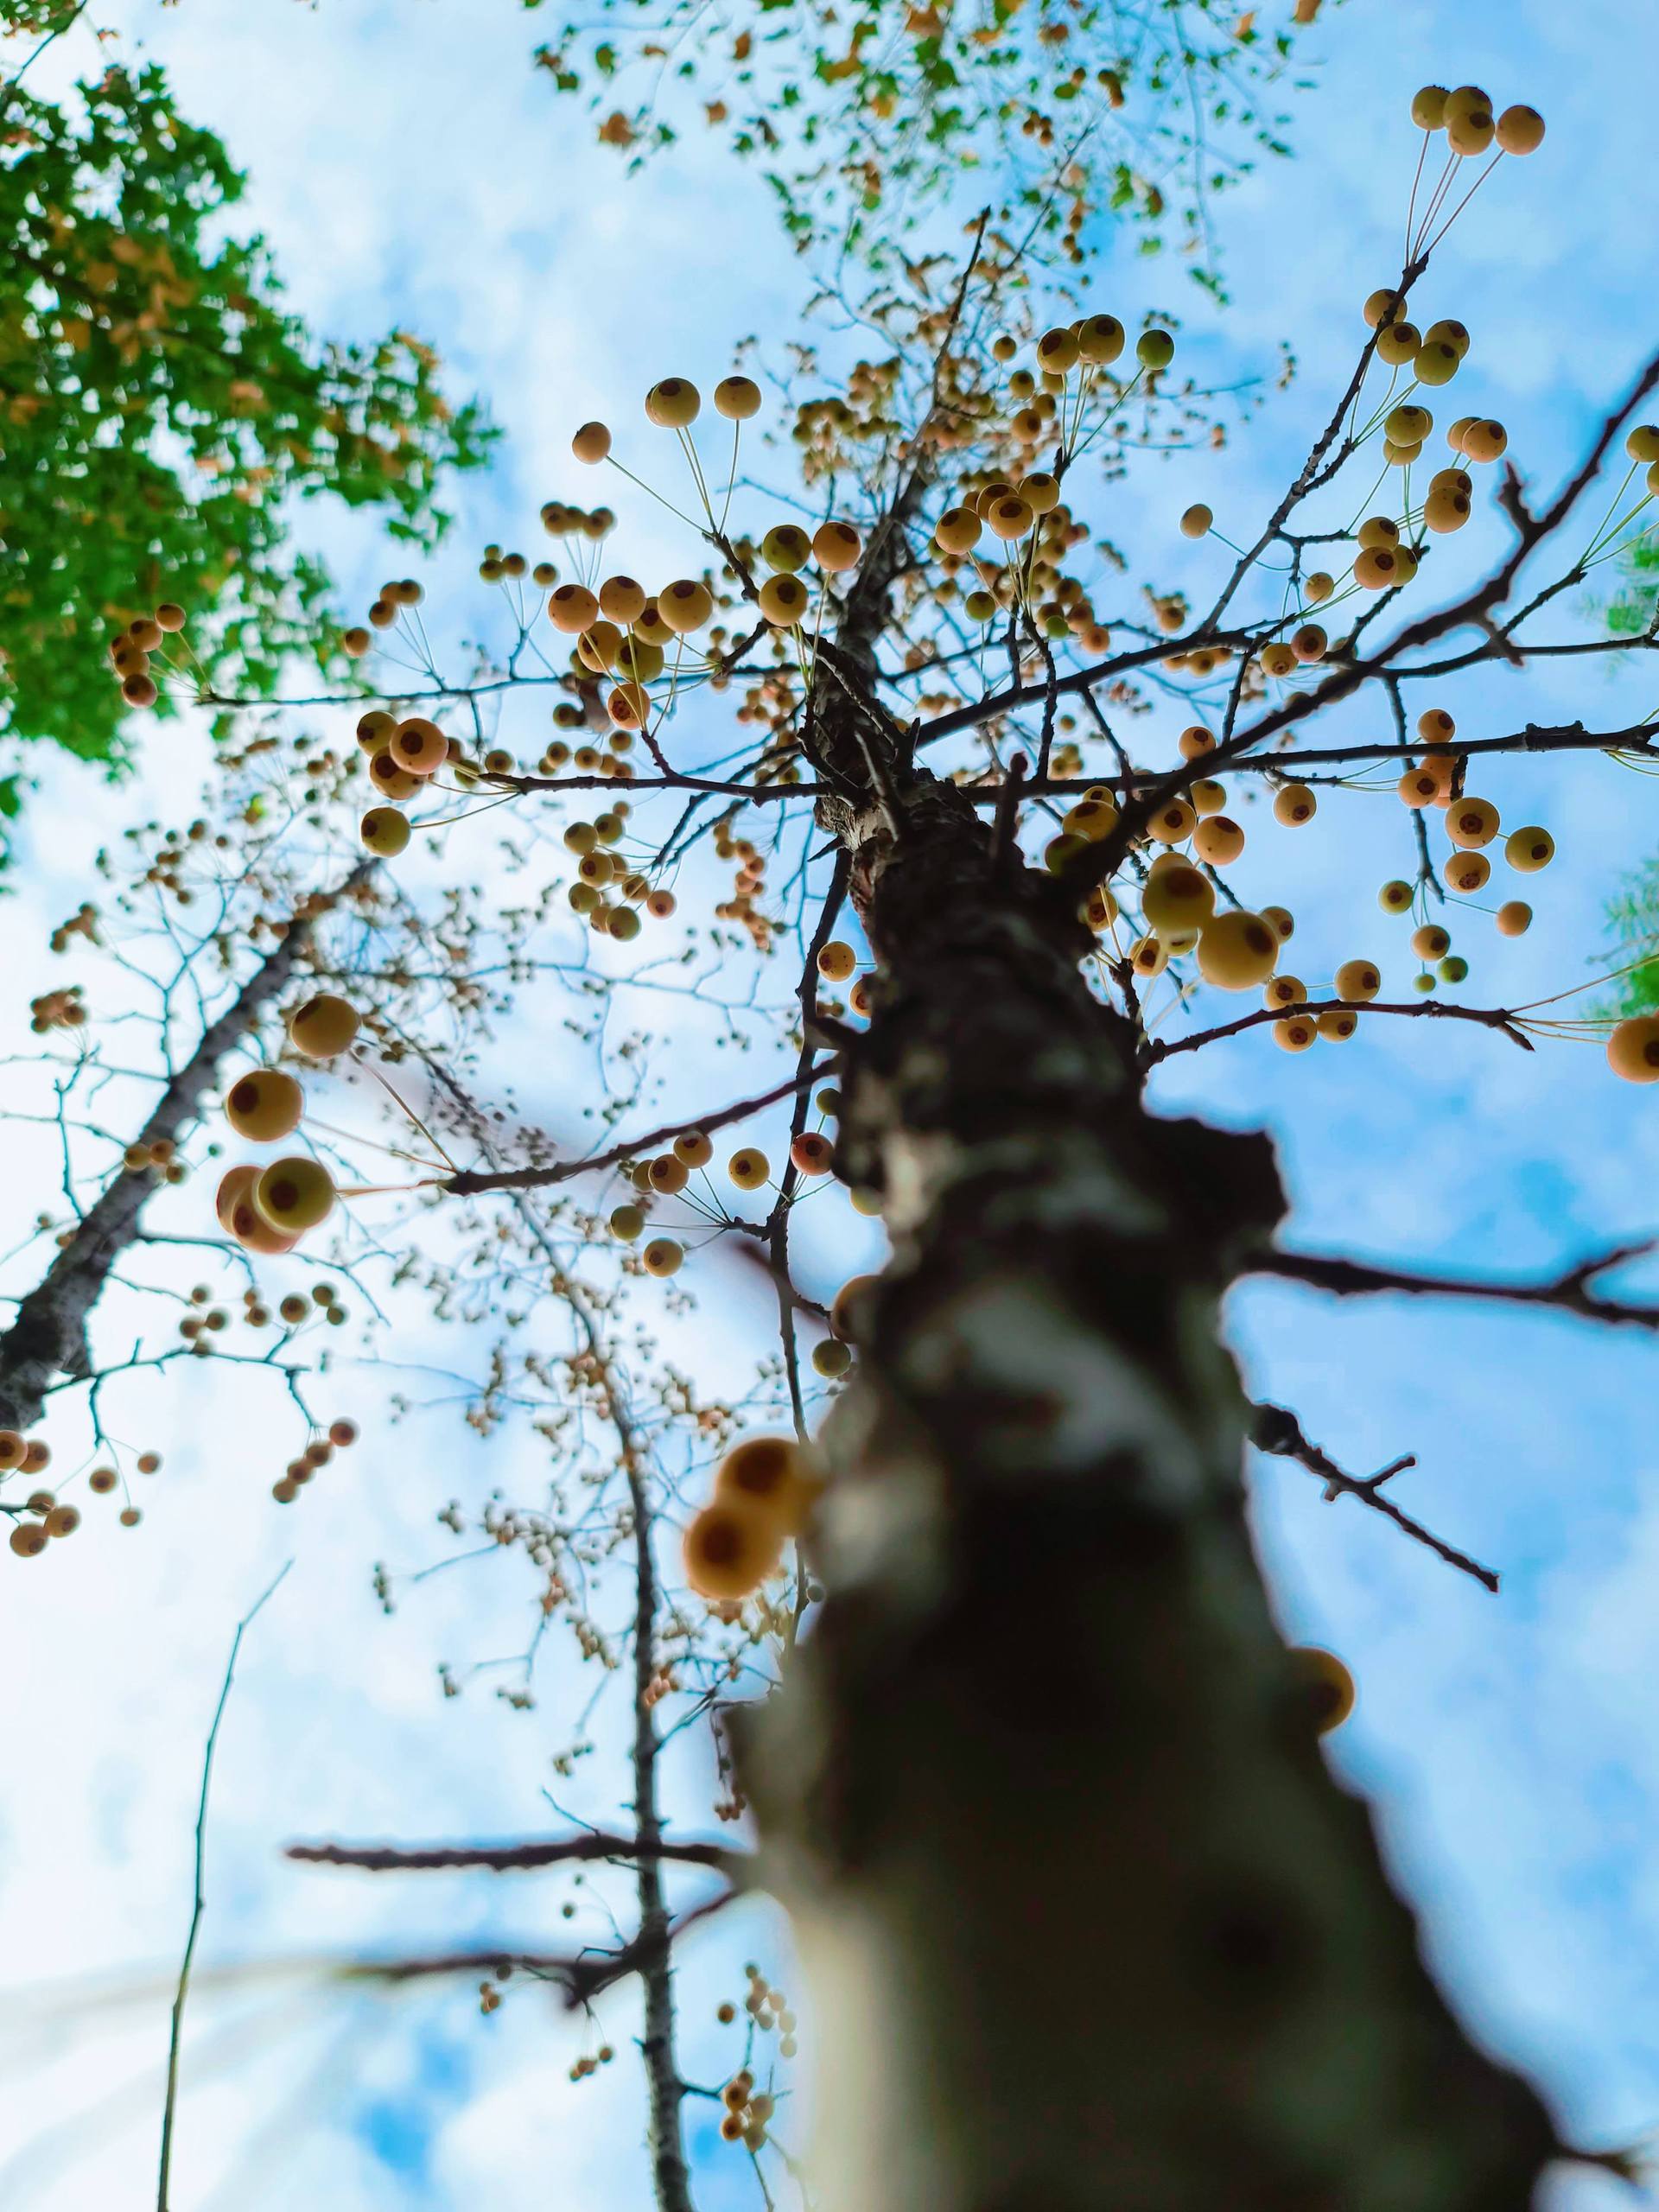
<point x="169" y="2108"/>
<point x="1276" y="1430"/>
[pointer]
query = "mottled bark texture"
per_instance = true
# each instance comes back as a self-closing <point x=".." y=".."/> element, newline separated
<point x="1088" y="1923"/>
<point x="48" y="1335"/>
<point x="665" y="2092"/>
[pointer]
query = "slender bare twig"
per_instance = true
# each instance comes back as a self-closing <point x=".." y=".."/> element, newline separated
<point x="170" y="2107"/>
<point x="1276" y="1430"/>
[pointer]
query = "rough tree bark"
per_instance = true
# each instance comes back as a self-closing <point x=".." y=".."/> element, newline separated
<point x="48" y="1335"/>
<point x="666" y="2140"/>
<point x="1087" y="1922"/>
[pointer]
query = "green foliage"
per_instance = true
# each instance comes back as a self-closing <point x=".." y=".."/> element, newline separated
<point x="1633" y="912"/>
<point x="158" y="407"/>
<point x="1633" y="608"/>
<point x="861" y="120"/>
<point x="1633" y="924"/>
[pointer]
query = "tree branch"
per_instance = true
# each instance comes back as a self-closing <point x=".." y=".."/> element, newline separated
<point x="473" y="1180"/>
<point x="518" y="1858"/>
<point x="1567" y="1292"/>
<point x="1274" y="1429"/>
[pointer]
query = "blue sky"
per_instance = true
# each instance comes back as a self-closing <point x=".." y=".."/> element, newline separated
<point x="407" y="166"/>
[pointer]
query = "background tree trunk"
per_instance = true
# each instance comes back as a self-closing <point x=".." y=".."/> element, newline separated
<point x="1086" y="1920"/>
<point x="48" y="1335"/>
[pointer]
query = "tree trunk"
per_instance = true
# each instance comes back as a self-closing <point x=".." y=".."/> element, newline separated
<point x="1087" y="1922"/>
<point x="665" y="2092"/>
<point x="48" y="1335"/>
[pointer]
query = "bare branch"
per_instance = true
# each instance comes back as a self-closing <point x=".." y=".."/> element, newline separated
<point x="1498" y="1018"/>
<point x="1569" y="1291"/>
<point x="517" y="1858"/>
<point x="1275" y="1430"/>
<point x="472" y="1180"/>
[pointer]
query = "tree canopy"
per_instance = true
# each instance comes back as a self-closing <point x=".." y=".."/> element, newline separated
<point x="161" y="411"/>
<point x="750" y="1092"/>
<point x="1085" y="114"/>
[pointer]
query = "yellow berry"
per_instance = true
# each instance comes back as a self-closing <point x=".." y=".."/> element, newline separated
<point x="1237" y="950"/>
<point x="1530" y="849"/>
<point x="1378" y="567"/>
<point x="836" y="546"/>
<point x="957" y="531"/>
<point x="685" y="606"/>
<point x="1472" y="822"/>
<point x="749" y="1168"/>
<point x="385" y="831"/>
<point x="1207" y="797"/>
<point x="785" y="548"/>
<point x="1091" y="819"/>
<point x="572" y="609"/>
<point x="1217" y="840"/>
<point x="737" y="398"/>
<point x="1057" y="352"/>
<point x="1177" y="900"/>
<point x="1357" y="979"/>
<point x="391" y="780"/>
<point x="418" y="745"/>
<point x="730" y="1548"/>
<point x="1100" y="339"/>
<point x="849" y="1314"/>
<point x="1174" y="823"/>
<point x="672" y="404"/>
<point x="323" y="1028"/>
<point x="1428" y="107"/>
<point x="769" y="1475"/>
<point x="1326" y="1686"/>
<point x="264" y="1105"/>
<point x="294" y="1194"/>
<point x="1467" y="872"/>
<point x="621" y="598"/>
<point x="1520" y="130"/>
<point x="1484" y="441"/>
<point x="1633" y="1049"/>
<point x="782" y="602"/>
<point x="1397" y="343"/>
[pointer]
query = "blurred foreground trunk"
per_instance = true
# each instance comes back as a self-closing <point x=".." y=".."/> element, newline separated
<point x="1087" y="1922"/>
